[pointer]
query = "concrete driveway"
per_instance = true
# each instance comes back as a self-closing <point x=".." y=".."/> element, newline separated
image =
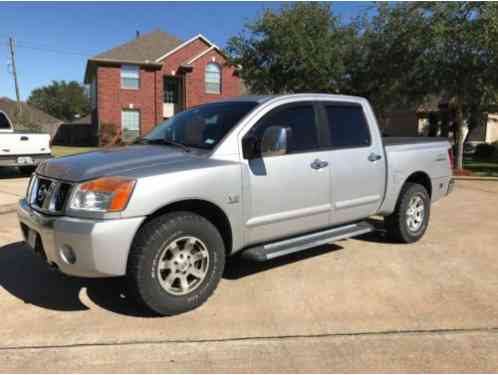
<point x="358" y="305"/>
<point x="12" y="188"/>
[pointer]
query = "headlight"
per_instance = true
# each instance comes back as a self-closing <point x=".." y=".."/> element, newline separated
<point x="106" y="194"/>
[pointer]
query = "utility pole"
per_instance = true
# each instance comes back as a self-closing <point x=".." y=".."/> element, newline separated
<point x="14" y="73"/>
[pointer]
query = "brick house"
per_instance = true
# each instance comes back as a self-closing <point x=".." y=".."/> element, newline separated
<point x="136" y="85"/>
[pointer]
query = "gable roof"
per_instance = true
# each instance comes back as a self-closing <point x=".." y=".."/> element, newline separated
<point x="147" y="47"/>
<point x="187" y="42"/>
<point x="36" y="116"/>
<point x="147" y="50"/>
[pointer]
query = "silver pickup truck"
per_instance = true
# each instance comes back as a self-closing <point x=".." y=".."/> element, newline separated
<point x="260" y="176"/>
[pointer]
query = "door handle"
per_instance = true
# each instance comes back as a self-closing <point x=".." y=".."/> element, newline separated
<point x="374" y="157"/>
<point x="319" y="164"/>
<point x="24" y="138"/>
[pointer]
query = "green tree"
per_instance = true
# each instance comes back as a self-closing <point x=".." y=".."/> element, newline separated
<point x="435" y="48"/>
<point x="384" y="58"/>
<point x="22" y="121"/>
<point x="61" y="99"/>
<point x="296" y="49"/>
<point x="462" y="57"/>
<point x="404" y="54"/>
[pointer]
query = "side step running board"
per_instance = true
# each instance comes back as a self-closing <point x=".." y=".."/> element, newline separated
<point x="276" y="249"/>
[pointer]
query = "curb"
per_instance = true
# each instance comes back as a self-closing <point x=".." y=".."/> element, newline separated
<point x="475" y="178"/>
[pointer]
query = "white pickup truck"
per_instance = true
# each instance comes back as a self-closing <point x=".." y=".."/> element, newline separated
<point x="21" y="149"/>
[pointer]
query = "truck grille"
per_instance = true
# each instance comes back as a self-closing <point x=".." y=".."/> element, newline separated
<point x="48" y="195"/>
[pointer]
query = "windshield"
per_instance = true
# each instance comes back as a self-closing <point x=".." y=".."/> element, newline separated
<point x="203" y="126"/>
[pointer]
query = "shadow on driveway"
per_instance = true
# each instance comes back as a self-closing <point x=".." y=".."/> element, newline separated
<point x="11" y="172"/>
<point x="27" y="277"/>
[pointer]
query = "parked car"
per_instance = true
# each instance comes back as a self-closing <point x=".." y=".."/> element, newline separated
<point x="22" y="149"/>
<point x="258" y="176"/>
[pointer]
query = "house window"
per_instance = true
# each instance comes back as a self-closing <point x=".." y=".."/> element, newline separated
<point x="130" y="77"/>
<point x="213" y="78"/>
<point x="130" y="124"/>
<point x="171" y="90"/>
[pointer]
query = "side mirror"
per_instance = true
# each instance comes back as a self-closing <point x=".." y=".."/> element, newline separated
<point x="250" y="147"/>
<point x="274" y="141"/>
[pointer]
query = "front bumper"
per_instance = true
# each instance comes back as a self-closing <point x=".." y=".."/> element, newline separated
<point x="100" y="247"/>
<point x="13" y="161"/>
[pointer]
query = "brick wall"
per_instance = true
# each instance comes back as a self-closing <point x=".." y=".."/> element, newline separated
<point x="149" y="97"/>
<point x="196" y="90"/>
<point x="194" y="81"/>
<point x="112" y="98"/>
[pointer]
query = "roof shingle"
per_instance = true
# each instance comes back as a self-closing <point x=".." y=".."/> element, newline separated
<point x="146" y="48"/>
<point x="36" y="116"/>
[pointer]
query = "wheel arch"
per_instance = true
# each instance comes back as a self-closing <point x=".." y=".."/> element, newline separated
<point x="421" y="178"/>
<point x="204" y="208"/>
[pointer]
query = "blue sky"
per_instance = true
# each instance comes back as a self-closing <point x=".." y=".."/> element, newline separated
<point x="55" y="39"/>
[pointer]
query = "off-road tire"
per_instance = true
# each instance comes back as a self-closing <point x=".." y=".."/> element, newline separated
<point x="147" y="246"/>
<point x="396" y="223"/>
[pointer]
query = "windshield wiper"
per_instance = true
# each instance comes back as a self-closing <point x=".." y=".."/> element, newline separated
<point x="162" y="141"/>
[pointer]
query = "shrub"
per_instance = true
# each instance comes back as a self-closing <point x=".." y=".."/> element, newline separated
<point x="484" y="150"/>
<point x="108" y="133"/>
<point x="22" y="121"/>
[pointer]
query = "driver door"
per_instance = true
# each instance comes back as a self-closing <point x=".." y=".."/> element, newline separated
<point x="287" y="193"/>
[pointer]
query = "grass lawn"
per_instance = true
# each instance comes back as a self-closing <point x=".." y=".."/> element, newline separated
<point x="487" y="167"/>
<point x="59" y="151"/>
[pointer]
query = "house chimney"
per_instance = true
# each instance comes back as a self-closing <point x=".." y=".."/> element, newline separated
<point x="138" y="34"/>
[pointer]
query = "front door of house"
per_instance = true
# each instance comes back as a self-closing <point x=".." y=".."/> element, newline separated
<point x="173" y="96"/>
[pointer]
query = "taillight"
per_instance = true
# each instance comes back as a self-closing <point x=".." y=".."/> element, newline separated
<point x="451" y="158"/>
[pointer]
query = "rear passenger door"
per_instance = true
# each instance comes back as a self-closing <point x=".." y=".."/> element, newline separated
<point x="357" y="165"/>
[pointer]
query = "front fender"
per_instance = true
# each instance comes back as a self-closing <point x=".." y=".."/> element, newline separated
<point x="219" y="184"/>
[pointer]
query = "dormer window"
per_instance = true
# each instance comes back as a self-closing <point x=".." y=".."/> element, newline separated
<point x="130" y="77"/>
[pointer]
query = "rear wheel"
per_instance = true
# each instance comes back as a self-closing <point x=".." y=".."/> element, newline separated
<point x="410" y="218"/>
<point x="175" y="263"/>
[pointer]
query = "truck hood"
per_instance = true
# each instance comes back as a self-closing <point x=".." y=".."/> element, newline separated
<point x="112" y="161"/>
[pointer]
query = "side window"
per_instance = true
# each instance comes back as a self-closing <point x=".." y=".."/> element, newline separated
<point x="347" y="126"/>
<point x="300" y="122"/>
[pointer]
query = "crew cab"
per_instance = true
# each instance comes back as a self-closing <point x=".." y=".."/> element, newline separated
<point x="22" y="149"/>
<point x="260" y="176"/>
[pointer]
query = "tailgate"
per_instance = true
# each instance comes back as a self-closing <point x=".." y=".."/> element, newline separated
<point x="24" y="144"/>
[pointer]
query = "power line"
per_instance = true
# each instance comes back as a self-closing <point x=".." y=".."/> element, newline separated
<point x="51" y="50"/>
<point x="48" y="48"/>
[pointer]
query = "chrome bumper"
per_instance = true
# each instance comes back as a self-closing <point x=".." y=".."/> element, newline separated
<point x="11" y="160"/>
<point x="100" y="247"/>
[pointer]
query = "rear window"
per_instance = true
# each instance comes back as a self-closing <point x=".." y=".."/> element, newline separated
<point x="348" y="127"/>
<point x="4" y="122"/>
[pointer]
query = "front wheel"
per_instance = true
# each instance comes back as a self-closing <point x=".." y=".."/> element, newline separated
<point x="410" y="218"/>
<point x="175" y="263"/>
